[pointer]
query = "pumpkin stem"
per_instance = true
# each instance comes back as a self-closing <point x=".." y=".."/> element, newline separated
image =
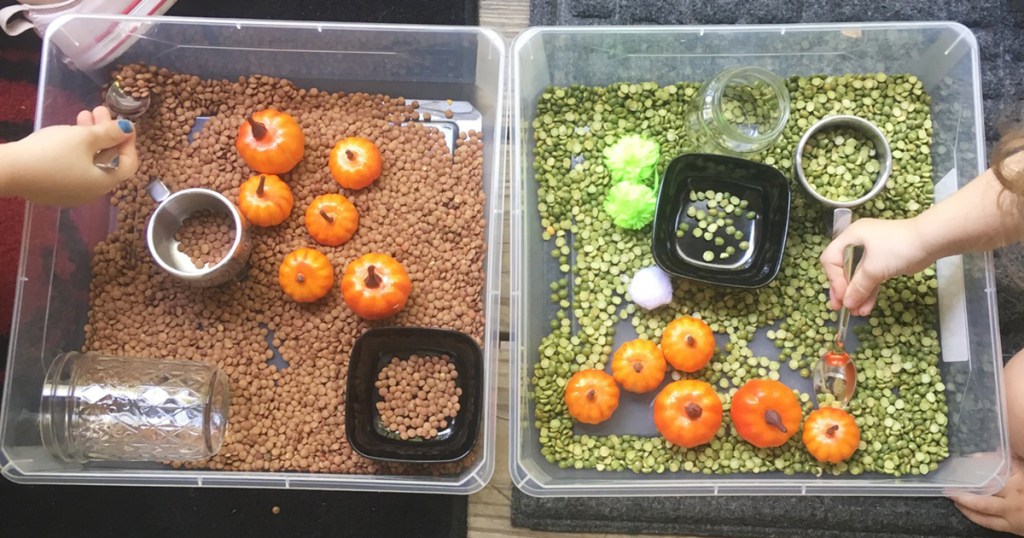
<point x="638" y="367"/>
<point x="258" y="129"/>
<point x="259" y="188"/>
<point x="831" y="431"/>
<point x="373" y="280"/>
<point x="591" y="395"/>
<point x="772" y="417"/>
<point x="350" y="154"/>
<point x="300" y="278"/>
<point x="693" y="411"/>
<point x="326" y="216"/>
<point x="690" y="340"/>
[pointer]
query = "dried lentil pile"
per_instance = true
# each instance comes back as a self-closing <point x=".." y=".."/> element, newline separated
<point x="205" y="237"/>
<point x="418" y="395"/>
<point x="900" y="405"/>
<point x="426" y="210"/>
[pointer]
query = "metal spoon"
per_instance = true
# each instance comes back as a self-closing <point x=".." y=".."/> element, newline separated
<point x="835" y="373"/>
<point x="123" y="106"/>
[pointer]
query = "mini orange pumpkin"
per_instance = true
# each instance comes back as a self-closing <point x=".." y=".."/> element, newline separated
<point x="638" y="366"/>
<point x="265" y="200"/>
<point x="355" y="162"/>
<point x="270" y="142"/>
<point x="765" y="413"/>
<point x="306" y="275"/>
<point x="375" y="286"/>
<point x="688" y="412"/>
<point x="831" y="435"/>
<point x="332" y="219"/>
<point x="591" y="396"/>
<point x="688" y="344"/>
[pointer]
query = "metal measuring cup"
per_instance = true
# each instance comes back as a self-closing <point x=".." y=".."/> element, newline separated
<point x="835" y="372"/>
<point x="171" y="213"/>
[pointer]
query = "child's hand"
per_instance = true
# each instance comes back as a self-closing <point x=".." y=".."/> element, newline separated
<point x="1004" y="511"/>
<point x="891" y="248"/>
<point x="55" y="165"/>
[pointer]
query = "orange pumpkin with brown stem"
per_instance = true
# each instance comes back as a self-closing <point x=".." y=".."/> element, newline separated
<point x="270" y="142"/>
<point x="375" y="286"/>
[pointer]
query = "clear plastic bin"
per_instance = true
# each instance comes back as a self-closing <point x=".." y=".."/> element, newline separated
<point x="944" y="56"/>
<point x="459" y="63"/>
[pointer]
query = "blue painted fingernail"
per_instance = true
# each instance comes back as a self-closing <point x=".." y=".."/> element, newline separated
<point x="125" y="125"/>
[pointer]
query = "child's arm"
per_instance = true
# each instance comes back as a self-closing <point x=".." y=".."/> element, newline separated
<point x="55" y="165"/>
<point x="981" y="216"/>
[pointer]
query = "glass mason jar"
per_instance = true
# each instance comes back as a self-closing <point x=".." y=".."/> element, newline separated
<point x="97" y="407"/>
<point x="742" y="110"/>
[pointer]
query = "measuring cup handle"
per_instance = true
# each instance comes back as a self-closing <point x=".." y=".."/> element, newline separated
<point x="157" y="190"/>
<point x="842" y="217"/>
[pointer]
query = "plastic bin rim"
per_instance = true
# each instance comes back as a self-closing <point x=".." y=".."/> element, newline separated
<point x="731" y="28"/>
<point x="274" y="23"/>
<point x="492" y="35"/>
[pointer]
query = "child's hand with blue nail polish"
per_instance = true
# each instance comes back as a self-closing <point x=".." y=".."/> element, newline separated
<point x="55" y="165"/>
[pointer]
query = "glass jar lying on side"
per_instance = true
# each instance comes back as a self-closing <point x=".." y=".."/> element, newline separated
<point x="742" y="110"/>
<point x="96" y="407"/>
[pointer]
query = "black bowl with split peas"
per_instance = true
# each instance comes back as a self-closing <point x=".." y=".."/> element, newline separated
<point x="761" y="192"/>
<point x="363" y="425"/>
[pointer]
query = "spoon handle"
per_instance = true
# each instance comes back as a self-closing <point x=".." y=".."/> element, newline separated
<point x="844" y="313"/>
<point x="841" y="219"/>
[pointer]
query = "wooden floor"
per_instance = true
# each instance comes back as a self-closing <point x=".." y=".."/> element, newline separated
<point x="490" y="509"/>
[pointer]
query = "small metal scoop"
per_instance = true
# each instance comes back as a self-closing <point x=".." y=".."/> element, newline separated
<point x="123" y="106"/>
<point x="171" y="214"/>
<point x="835" y="373"/>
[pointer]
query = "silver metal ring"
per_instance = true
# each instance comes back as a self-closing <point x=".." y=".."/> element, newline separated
<point x="170" y="214"/>
<point x="882" y="152"/>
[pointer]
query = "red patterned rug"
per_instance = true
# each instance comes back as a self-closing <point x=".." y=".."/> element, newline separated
<point x="19" y="74"/>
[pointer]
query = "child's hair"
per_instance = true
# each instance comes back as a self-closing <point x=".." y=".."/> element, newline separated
<point x="1010" y="173"/>
<point x="1006" y="164"/>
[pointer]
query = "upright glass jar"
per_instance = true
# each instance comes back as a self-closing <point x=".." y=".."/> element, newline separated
<point x="97" y="407"/>
<point x="742" y="110"/>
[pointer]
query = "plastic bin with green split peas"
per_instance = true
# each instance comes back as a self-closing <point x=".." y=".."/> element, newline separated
<point x="945" y="57"/>
<point x="421" y="62"/>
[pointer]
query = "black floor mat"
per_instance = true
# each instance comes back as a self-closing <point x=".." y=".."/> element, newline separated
<point x="87" y="511"/>
<point x="453" y="12"/>
<point x="743" y="517"/>
<point x="999" y="27"/>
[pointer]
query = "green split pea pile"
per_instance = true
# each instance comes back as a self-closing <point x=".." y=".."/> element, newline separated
<point x="900" y="404"/>
<point x="840" y="164"/>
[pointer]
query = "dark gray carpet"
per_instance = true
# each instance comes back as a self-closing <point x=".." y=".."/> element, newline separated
<point x="999" y="27"/>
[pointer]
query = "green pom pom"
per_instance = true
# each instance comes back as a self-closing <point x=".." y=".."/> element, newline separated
<point x="633" y="158"/>
<point x="631" y="205"/>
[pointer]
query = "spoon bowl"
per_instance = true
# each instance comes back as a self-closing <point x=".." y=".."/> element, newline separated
<point x="121" y="105"/>
<point x="124" y="105"/>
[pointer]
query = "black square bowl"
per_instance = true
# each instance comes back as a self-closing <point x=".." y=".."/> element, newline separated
<point x="371" y="353"/>
<point x="767" y="193"/>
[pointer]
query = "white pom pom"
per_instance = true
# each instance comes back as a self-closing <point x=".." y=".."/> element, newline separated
<point x="651" y="288"/>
